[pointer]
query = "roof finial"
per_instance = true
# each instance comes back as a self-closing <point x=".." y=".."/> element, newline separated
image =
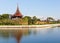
<point x="17" y="6"/>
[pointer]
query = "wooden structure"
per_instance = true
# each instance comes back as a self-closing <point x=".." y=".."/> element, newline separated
<point x="17" y="14"/>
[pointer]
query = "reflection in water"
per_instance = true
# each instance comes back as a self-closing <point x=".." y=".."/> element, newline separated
<point x="18" y="35"/>
<point x="34" y="35"/>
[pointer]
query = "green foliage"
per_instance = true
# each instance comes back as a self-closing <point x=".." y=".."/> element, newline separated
<point x="34" y="20"/>
<point x="27" y="20"/>
<point x="38" y="20"/>
<point x="4" y="16"/>
<point x="50" y="19"/>
<point x="8" y="22"/>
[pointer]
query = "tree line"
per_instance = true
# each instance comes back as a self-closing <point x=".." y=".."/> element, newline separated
<point x="26" y="20"/>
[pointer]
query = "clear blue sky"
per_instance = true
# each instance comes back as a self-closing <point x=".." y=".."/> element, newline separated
<point x="39" y="8"/>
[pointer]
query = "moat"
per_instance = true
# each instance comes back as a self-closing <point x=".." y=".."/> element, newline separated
<point x="31" y="35"/>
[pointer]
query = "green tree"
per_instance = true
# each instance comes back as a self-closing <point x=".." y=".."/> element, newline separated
<point x="38" y="20"/>
<point x="25" y="19"/>
<point x="58" y="21"/>
<point x="1" y="17"/>
<point x="34" y="20"/>
<point x="29" y="19"/>
<point x="50" y="19"/>
<point x="5" y="16"/>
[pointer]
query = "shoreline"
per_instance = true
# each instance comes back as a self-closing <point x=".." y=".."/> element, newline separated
<point x="27" y="26"/>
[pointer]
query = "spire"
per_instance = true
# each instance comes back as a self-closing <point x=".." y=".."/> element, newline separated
<point x="17" y="13"/>
<point x="17" y="7"/>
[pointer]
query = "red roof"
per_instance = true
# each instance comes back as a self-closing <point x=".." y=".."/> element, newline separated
<point x="17" y="13"/>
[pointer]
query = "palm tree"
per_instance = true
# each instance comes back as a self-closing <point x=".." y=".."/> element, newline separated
<point x="50" y="19"/>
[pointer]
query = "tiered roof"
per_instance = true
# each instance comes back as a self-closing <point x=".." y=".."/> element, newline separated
<point x="17" y="13"/>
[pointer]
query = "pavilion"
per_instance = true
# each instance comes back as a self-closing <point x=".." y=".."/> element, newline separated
<point x="17" y="14"/>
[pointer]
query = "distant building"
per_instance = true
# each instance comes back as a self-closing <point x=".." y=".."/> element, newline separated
<point x="17" y="14"/>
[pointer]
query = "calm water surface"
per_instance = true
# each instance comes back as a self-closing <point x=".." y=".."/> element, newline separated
<point x="31" y="35"/>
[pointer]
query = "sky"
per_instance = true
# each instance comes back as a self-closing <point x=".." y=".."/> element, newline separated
<point x="39" y="8"/>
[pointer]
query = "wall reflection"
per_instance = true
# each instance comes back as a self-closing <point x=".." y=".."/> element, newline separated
<point x="17" y="34"/>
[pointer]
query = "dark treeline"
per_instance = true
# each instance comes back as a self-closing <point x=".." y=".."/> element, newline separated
<point x="26" y="20"/>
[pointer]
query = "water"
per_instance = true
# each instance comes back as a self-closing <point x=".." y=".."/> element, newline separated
<point x="31" y="35"/>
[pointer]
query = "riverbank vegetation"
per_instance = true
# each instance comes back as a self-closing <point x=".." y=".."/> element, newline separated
<point x="26" y="20"/>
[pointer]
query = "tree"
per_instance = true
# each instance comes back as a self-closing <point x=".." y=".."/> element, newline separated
<point x="38" y="20"/>
<point x="50" y="19"/>
<point x="0" y="17"/>
<point x="34" y="20"/>
<point x="58" y="21"/>
<point x="29" y="19"/>
<point x="25" y="20"/>
<point x="5" y="16"/>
